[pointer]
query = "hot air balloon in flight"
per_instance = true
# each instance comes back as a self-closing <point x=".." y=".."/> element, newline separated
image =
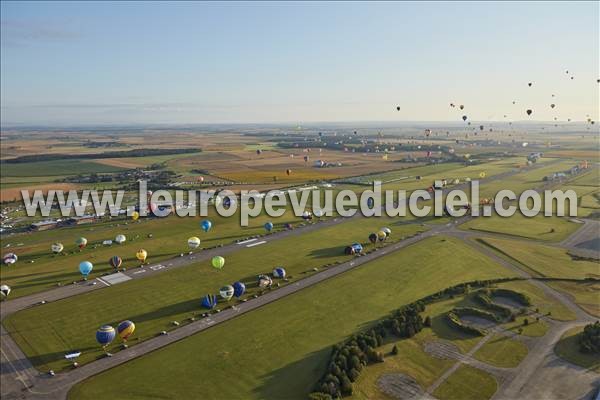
<point x="552" y="105"/>
<point x="258" y="151"/>
<point x="209" y="301"/>
<point x="529" y="112"/>
<point x="279" y="272"/>
<point x="105" y="335"/>
<point x="81" y="242"/>
<point x="57" y="247"/>
<point x="462" y="107"/>
<point x="120" y="239"/>
<point x="125" y="330"/>
<point x="226" y="292"/>
<point x="141" y="255"/>
<point x="529" y="84"/>
<point x="200" y="179"/>
<point x="269" y="226"/>
<point x="4" y="290"/>
<point x="85" y="267"/>
<point x="218" y="262"/>
<point x="135" y="215"/>
<point x="464" y="117"/>
<point x="306" y="158"/>
<point x="398" y="108"/>
<point x="193" y="242"/>
<point x="115" y="262"/>
<point x="288" y="172"/>
<point x="239" y="289"/>
<point x="206" y="225"/>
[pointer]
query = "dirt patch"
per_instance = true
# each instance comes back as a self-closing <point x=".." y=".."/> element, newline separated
<point x="402" y="387"/>
<point x="442" y="349"/>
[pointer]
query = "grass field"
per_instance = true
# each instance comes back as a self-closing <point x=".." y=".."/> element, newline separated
<point x="533" y="328"/>
<point x="502" y="351"/>
<point x="549" y="229"/>
<point x="467" y="383"/>
<point x="586" y="294"/>
<point x="567" y="348"/>
<point x="545" y="261"/>
<point x="56" y="168"/>
<point x="174" y="295"/>
<point x="285" y="344"/>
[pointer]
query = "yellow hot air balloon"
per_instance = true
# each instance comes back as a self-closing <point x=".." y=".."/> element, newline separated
<point x="193" y="242"/>
<point x="482" y="174"/>
<point x="135" y="215"/>
<point x="141" y="255"/>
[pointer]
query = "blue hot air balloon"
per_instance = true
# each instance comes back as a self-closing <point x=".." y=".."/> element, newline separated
<point x="206" y="225"/>
<point x="85" y="267"/>
<point x="239" y="289"/>
<point x="209" y="301"/>
<point x="269" y="226"/>
<point x="357" y="247"/>
<point x="105" y="335"/>
<point x="279" y="272"/>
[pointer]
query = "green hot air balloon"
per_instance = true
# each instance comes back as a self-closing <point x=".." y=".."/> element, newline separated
<point x="218" y="262"/>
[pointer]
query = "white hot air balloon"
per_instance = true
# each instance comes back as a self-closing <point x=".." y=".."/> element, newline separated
<point x="4" y="290"/>
<point x="120" y="239"/>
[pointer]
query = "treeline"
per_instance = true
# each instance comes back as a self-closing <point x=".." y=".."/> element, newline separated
<point x="483" y="298"/>
<point x="589" y="340"/>
<point x="107" y="154"/>
<point x="348" y="359"/>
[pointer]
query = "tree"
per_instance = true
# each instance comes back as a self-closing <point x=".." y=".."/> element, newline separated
<point x="346" y="386"/>
<point x="427" y="321"/>
<point x="395" y="350"/>
<point x="353" y="375"/>
<point x="525" y="322"/>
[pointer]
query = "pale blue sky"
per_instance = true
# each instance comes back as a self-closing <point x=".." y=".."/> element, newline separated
<point x="113" y="63"/>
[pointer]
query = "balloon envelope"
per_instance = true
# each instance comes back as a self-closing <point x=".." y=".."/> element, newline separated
<point x="9" y="258"/>
<point x="269" y="226"/>
<point x="125" y="329"/>
<point x="4" y="290"/>
<point x="209" y="301"/>
<point x="81" y="242"/>
<point x="141" y="255"/>
<point x="206" y="225"/>
<point x="120" y="239"/>
<point x="227" y="292"/>
<point x="57" y="247"/>
<point x="373" y="237"/>
<point x="218" y="262"/>
<point x="115" y="262"/>
<point x="193" y="242"/>
<point x="239" y="289"/>
<point x="135" y="215"/>
<point x="381" y="236"/>
<point x="279" y="272"/>
<point x="85" y="267"/>
<point x="105" y="335"/>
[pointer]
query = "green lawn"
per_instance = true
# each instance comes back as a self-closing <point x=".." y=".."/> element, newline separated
<point x="568" y="349"/>
<point x="280" y="350"/>
<point x="548" y="229"/>
<point x="467" y="383"/>
<point x="533" y="328"/>
<point x="48" y="331"/>
<point x="586" y="294"/>
<point x="502" y="352"/>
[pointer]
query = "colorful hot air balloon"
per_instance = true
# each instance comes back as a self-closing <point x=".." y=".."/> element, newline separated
<point x="279" y="272"/>
<point x="115" y="262"/>
<point x="239" y="289"/>
<point x="125" y="329"/>
<point x="135" y="215"/>
<point x="381" y="236"/>
<point x="193" y="242"/>
<point x="387" y="231"/>
<point x="209" y="301"/>
<point x="218" y="262"/>
<point x="9" y="258"/>
<point x="373" y="238"/>
<point x="4" y="290"/>
<point x="85" y="267"/>
<point x="120" y="239"/>
<point x="57" y="247"/>
<point x="81" y="242"/>
<point x="264" y="281"/>
<point x="227" y="292"/>
<point x="269" y="226"/>
<point x="141" y="255"/>
<point x="105" y="335"/>
<point x="206" y="225"/>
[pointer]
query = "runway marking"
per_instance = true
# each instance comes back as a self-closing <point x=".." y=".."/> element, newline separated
<point x="157" y="267"/>
<point x="247" y="241"/>
<point x="139" y="272"/>
<point x="256" y="244"/>
<point x="103" y="281"/>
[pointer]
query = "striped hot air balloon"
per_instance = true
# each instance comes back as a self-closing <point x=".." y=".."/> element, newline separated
<point x="105" y="335"/>
<point x="115" y="262"/>
<point x="125" y="329"/>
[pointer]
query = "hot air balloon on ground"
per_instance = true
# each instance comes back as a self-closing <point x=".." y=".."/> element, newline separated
<point x="120" y="239"/>
<point x="125" y="330"/>
<point x="4" y="290"/>
<point x="9" y="258"/>
<point x="206" y="225"/>
<point x="141" y="255"/>
<point x="115" y="262"/>
<point x="482" y="174"/>
<point x="239" y="289"/>
<point x="209" y="301"/>
<point x="105" y="335"/>
<point x="318" y="213"/>
<point x="258" y="151"/>
<point x="227" y="292"/>
<point x="81" y="242"/>
<point x="307" y="215"/>
<point x="85" y="267"/>
<point x="279" y="272"/>
<point x="387" y="231"/>
<point x="193" y="242"/>
<point x="381" y="236"/>
<point x="269" y="226"/>
<point x="57" y="247"/>
<point x="218" y="262"/>
<point x="288" y="172"/>
<point x="288" y="226"/>
<point x="264" y="281"/>
<point x="373" y="238"/>
<point x="135" y="215"/>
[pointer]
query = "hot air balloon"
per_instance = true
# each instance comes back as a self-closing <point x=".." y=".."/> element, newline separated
<point x="529" y="112"/>
<point x="306" y="215"/>
<point x="81" y="242"/>
<point x="529" y="84"/>
<point x="480" y="127"/>
<point x="264" y="281"/>
<point x="288" y="172"/>
<point x="218" y="262"/>
<point x="125" y="329"/>
<point x="85" y="267"/>
<point x="288" y="226"/>
<point x="120" y="239"/>
<point x="461" y="107"/>
<point x="226" y="292"/>
<point x="258" y="151"/>
<point x="482" y="174"/>
<point x="105" y="335"/>
<point x="239" y="289"/>
<point x="269" y="226"/>
<point x="464" y="117"/>
<point x="318" y="213"/>
<point x="398" y="108"/>
<point x="200" y="179"/>
<point x="552" y="105"/>
<point x="381" y="236"/>
<point x="279" y="272"/>
<point x="193" y="242"/>
<point x="306" y="158"/>
<point x="4" y="290"/>
<point x="373" y="238"/>
<point x="135" y="215"/>
<point x="209" y="301"/>
<point x="115" y="262"/>
<point x="387" y="231"/>
<point x="206" y="225"/>
<point x="9" y="258"/>
<point x="141" y="255"/>
<point x="57" y="247"/>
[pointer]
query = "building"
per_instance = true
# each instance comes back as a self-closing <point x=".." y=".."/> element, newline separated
<point x="43" y="225"/>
